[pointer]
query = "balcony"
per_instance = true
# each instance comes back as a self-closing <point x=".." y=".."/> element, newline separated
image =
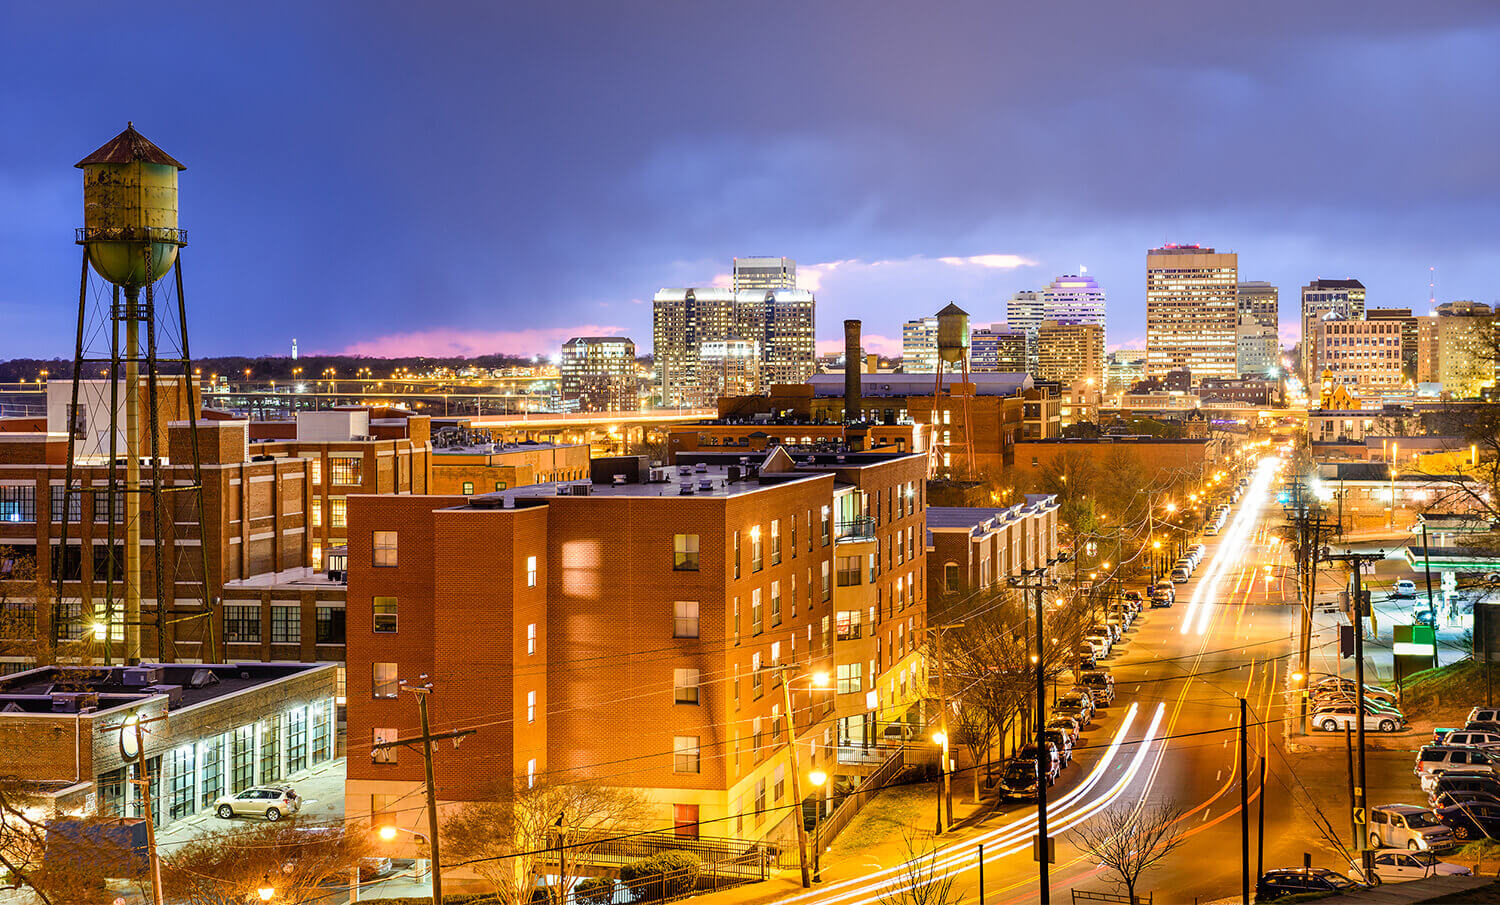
<point x="859" y="528"/>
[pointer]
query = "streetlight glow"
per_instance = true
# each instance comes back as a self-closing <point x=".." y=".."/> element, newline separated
<point x="388" y="832"/>
<point x="817" y="777"/>
<point x="939" y="738"/>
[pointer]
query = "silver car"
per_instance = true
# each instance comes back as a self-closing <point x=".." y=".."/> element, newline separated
<point x="1336" y="717"/>
<point x="270" y="802"/>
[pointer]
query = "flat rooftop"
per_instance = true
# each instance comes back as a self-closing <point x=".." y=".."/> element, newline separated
<point x="33" y="691"/>
<point x="714" y="481"/>
<point x="300" y="577"/>
<point x="498" y="449"/>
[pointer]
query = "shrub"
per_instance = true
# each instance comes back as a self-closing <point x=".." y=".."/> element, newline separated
<point x="680" y="870"/>
<point x="594" y="891"/>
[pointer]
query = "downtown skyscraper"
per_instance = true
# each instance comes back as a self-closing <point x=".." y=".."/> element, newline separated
<point x="1192" y="311"/>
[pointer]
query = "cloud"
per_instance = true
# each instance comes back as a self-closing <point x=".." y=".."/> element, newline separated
<point x="998" y="262"/>
<point x="872" y="342"/>
<point x="450" y="341"/>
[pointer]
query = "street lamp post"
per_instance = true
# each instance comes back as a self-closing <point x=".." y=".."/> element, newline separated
<point x="817" y="778"/>
<point x="388" y="832"/>
<point x="819" y="680"/>
<point x="940" y="738"/>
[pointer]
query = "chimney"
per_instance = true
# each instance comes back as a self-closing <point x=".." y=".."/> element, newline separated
<point x="852" y="356"/>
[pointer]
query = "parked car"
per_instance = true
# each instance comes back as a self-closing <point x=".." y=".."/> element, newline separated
<point x="1274" y="884"/>
<point x="1074" y="705"/>
<point x="1443" y="759"/>
<point x="1404" y="587"/>
<point x="1471" y="819"/>
<point x="1334" y="717"/>
<point x="1101" y="644"/>
<point x="1423" y="616"/>
<point x="270" y="802"/>
<point x="1028" y="752"/>
<point x="1101" y="687"/>
<point x="1211" y="529"/>
<point x="1461" y="782"/>
<point x="1200" y="551"/>
<point x="1484" y="715"/>
<point x="1408" y="826"/>
<point x="1399" y="867"/>
<point x="1180" y="575"/>
<point x="1068" y="726"/>
<point x="1451" y="798"/>
<point x="1133" y="597"/>
<point x="1062" y="741"/>
<point x="1018" y="780"/>
<point x="1161" y="597"/>
<point x="1117" y="624"/>
<point x="1468" y="738"/>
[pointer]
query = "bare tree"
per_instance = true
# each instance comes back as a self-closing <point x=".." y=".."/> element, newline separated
<point x="504" y="838"/>
<point x="1130" y="839"/>
<point x="294" y="859"/>
<point x="64" y="860"/>
<point x="920" y="881"/>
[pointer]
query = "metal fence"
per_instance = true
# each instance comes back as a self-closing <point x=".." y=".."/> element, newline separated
<point x="668" y="886"/>
<point x="1087" y="895"/>
<point x="731" y="856"/>
<point x="879" y="778"/>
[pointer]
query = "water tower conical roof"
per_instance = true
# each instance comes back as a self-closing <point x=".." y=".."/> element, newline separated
<point x="953" y="309"/>
<point x="129" y="146"/>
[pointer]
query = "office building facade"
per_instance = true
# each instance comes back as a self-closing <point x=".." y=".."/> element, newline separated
<point x="1362" y="354"/>
<point x="997" y="349"/>
<point x="1320" y="298"/>
<point x="597" y="374"/>
<point x="1408" y="335"/>
<point x="764" y="274"/>
<point x="919" y="346"/>
<point x="781" y="323"/>
<point x="1257" y="347"/>
<point x="1024" y="312"/>
<point x="1261" y="301"/>
<point x="1070" y="353"/>
<point x="1454" y="348"/>
<point x="1192" y="306"/>
<point x="1074" y="298"/>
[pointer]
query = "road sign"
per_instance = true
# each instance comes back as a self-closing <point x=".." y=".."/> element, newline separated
<point x="1359" y="815"/>
<point x="1036" y="849"/>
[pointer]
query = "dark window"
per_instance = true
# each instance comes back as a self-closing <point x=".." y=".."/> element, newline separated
<point x="270" y="751"/>
<point x="286" y="625"/>
<point x="330" y="625"/>
<point x="75" y="504"/>
<point x="296" y="739"/>
<point x="242" y="624"/>
<point x="211" y="769"/>
<point x="243" y="775"/>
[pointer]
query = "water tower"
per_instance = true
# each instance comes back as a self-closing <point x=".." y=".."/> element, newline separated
<point x="953" y="349"/>
<point x="136" y="345"/>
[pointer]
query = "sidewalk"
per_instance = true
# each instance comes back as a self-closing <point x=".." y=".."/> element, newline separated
<point x="321" y="788"/>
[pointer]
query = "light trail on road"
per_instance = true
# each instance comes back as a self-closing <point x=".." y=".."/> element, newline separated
<point x="1228" y="551"/>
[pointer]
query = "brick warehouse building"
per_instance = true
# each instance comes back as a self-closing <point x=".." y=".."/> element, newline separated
<point x="627" y="629"/>
<point x="271" y="508"/>
<point x="976" y="549"/>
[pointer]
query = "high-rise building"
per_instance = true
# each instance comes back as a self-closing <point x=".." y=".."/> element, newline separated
<point x="1123" y="369"/>
<point x="1261" y="301"/>
<point x="597" y="374"/>
<point x="1408" y="335"/>
<point x="1363" y="354"/>
<point x="1024" y="312"/>
<point x="1344" y="298"/>
<point x="919" y="346"/>
<point x="1257" y="347"/>
<point x="1070" y="353"/>
<point x="729" y="367"/>
<point x="1453" y="348"/>
<point x="1075" y="299"/>
<point x="765" y="273"/>
<point x="997" y="349"/>
<point x="779" y="322"/>
<point x="1191" y="311"/>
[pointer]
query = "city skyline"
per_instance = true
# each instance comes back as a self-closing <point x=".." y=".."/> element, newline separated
<point x="503" y="233"/>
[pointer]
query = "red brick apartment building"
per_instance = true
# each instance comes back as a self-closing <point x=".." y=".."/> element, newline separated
<point x="629" y="629"/>
<point x="271" y="508"/>
<point x="976" y="549"/>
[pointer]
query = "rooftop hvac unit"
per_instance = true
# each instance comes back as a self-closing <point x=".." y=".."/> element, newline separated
<point x="620" y="479"/>
<point x="684" y="469"/>
<point x="706" y="484"/>
<point x="701" y="467"/>
<point x="173" y="693"/>
<point x="139" y="676"/>
<point x="686" y="489"/>
<point x="74" y="701"/>
<point x="582" y="489"/>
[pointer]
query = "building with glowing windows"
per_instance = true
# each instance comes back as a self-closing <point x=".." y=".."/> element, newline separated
<point x="997" y="349"/>
<point x="597" y="374"/>
<point x="1341" y="298"/>
<point x="780" y="323"/>
<point x="919" y="346"/>
<point x="1192" y="307"/>
<point x="1073" y="298"/>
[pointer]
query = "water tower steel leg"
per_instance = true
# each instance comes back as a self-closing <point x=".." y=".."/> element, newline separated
<point x="158" y="534"/>
<point x="62" y="550"/>
<point x="111" y="531"/>
<point x="132" y="614"/>
<point x="208" y="651"/>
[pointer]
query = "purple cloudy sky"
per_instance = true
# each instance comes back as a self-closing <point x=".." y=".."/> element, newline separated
<point x="465" y="178"/>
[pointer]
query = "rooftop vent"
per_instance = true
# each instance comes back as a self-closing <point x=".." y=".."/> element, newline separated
<point x="74" y="701"/>
<point x="202" y="678"/>
<point x="619" y="479"/>
<point x="701" y="467"/>
<point x="706" y="484"/>
<point x="685" y="489"/>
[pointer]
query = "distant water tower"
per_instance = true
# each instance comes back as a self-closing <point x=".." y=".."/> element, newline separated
<point x="131" y="239"/>
<point x="953" y="349"/>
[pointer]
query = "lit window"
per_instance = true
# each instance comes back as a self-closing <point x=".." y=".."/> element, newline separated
<point x="757" y="560"/>
<point x="685" y="619"/>
<point x="467" y="489"/>
<point x="531" y="571"/>
<point x="775" y="603"/>
<point x="755" y="612"/>
<point x="384" y="680"/>
<point x="686" y="754"/>
<point x="531" y="773"/>
<point x="338" y="510"/>
<point x="530" y="638"/>
<point x="531" y="707"/>
<point x="775" y="541"/>
<point x="385" y="615"/>
<point x="344" y="469"/>
<point x="685" y="685"/>
<point x="685" y="552"/>
<point x="736" y="554"/>
<point x="849" y="675"/>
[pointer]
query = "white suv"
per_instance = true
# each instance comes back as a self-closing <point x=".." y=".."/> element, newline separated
<point x="270" y="802"/>
<point x="1408" y="826"/>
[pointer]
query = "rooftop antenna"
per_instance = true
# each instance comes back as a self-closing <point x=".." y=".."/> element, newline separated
<point x="1432" y="290"/>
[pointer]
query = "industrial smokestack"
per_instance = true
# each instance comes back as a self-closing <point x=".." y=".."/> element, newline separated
<point x="852" y="358"/>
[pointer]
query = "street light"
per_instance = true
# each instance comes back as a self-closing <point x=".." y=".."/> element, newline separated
<point x="941" y="739"/>
<point x="388" y="832"/>
<point x="266" y="890"/>
<point x="817" y="778"/>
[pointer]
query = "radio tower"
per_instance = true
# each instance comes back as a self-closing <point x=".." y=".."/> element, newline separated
<point x="1431" y="291"/>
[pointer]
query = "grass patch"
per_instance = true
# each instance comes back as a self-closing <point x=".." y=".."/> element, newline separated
<point x="892" y="812"/>
<point x="1445" y="694"/>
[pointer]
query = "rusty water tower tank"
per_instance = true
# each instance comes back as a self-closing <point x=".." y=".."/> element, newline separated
<point x="130" y="210"/>
<point x="952" y="333"/>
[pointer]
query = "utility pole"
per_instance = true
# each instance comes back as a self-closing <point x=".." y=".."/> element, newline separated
<point x="426" y="739"/>
<point x="1260" y="822"/>
<point x="1043" y="848"/>
<point x="945" y="783"/>
<point x="1244" y="807"/>
<point x="145" y="786"/>
<point x="791" y="742"/>
<point x="1356" y="563"/>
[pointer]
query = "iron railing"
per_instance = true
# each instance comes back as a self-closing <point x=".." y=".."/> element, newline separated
<point x="882" y="776"/>
<point x="858" y="528"/>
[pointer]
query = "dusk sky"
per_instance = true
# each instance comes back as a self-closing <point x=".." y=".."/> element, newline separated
<point x="445" y="178"/>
